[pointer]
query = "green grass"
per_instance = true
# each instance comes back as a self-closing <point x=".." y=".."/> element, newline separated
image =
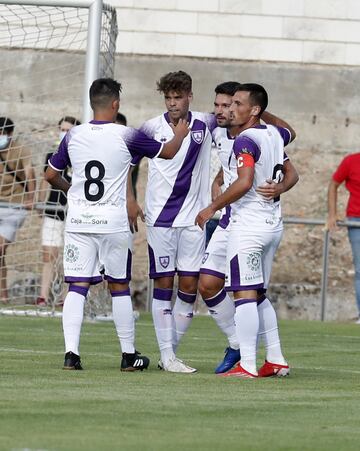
<point x="45" y="408"/>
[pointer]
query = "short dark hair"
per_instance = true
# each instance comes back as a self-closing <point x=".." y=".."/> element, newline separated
<point x="103" y="91"/>
<point x="6" y="125"/>
<point x="258" y="95"/>
<point x="228" y="87"/>
<point x="121" y="119"/>
<point x="178" y="81"/>
<point x="72" y="120"/>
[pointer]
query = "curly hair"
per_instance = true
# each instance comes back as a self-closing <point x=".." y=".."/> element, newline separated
<point x="178" y="81"/>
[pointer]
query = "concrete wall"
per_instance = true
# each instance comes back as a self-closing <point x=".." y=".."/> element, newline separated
<point x="299" y="31"/>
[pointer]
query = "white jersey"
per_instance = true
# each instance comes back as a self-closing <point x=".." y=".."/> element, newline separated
<point x="178" y="189"/>
<point x="266" y="144"/>
<point x="100" y="154"/>
<point x="224" y="144"/>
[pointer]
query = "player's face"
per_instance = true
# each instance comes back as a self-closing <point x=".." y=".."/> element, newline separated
<point x="177" y="104"/>
<point x="65" y="126"/>
<point x="241" y="110"/>
<point x="222" y="105"/>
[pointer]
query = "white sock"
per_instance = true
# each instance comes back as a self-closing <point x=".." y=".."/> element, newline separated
<point x="183" y="313"/>
<point x="247" y="328"/>
<point x="163" y="322"/>
<point x="123" y="316"/>
<point x="269" y="332"/>
<point x="72" y="318"/>
<point x="222" y="310"/>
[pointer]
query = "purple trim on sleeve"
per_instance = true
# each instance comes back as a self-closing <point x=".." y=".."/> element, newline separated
<point x="183" y="180"/>
<point x="115" y="280"/>
<point x="91" y="280"/>
<point x="78" y="289"/>
<point x="215" y="300"/>
<point x="285" y="134"/>
<point x="240" y="302"/>
<point x="60" y="159"/>
<point x="163" y="294"/>
<point x="225" y="218"/>
<point x="211" y="272"/>
<point x="116" y="294"/>
<point x="189" y="298"/>
<point x="140" y="145"/>
<point x="243" y="144"/>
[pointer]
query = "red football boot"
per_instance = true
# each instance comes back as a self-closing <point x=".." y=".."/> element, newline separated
<point x="238" y="371"/>
<point x="273" y="370"/>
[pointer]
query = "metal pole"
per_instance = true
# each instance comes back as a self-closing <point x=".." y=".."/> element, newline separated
<point x="92" y="55"/>
<point x="324" y="276"/>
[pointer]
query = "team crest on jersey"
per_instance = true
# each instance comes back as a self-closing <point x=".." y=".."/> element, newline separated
<point x="71" y="253"/>
<point x="164" y="261"/>
<point x="198" y="136"/>
<point x="205" y="257"/>
<point x="253" y="261"/>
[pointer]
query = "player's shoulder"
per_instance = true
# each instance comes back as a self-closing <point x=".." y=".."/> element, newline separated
<point x="150" y="126"/>
<point x="208" y="119"/>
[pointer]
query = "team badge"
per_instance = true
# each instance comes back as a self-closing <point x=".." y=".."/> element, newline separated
<point x="197" y="136"/>
<point x="205" y="257"/>
<point x="71" y="253"/>
<point x="164" y="261"/>
<point x="253" y="261"/>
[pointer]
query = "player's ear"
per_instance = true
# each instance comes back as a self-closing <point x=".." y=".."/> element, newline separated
<point x="190" y="96"/>
<point x="255" y="110"/>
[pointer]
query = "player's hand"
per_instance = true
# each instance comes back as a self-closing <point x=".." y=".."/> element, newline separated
<point x="270" y="189"/>
<point x="215" y="191"/>
<point x="29" y="203"/>
<point x="181" y="129"/>
<point x="203" y="217"/>
<point x="331" y="224"/>
<point x="134" y="212"/>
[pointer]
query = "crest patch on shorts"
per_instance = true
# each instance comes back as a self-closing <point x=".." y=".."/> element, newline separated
<point x="253" y="261"/>
<point x="71" y="253"/>
<point x="164" y="261"/>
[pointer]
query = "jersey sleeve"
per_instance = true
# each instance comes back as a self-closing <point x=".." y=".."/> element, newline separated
<point x="140" y="145"/>
<point x="285" y="134"/>
<point x="60" y="159"/>
<point x="246" y="145"/>
<point x="342" y="171"/>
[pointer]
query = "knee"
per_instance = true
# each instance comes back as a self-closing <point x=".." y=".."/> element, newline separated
<point x="209" y="287"/>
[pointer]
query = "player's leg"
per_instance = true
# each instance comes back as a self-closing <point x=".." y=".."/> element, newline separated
<point x="354" y="238"/>
<point x="80" y="270"/>
<point x="162" y="252"/>
<point x="268" y="325"/>
<point x="211" y="288"/>
<point x="4" y="296"/>
<point x="115" y="259"/>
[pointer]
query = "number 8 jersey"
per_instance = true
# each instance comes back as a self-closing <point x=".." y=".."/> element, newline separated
<point x="100" y="154"/>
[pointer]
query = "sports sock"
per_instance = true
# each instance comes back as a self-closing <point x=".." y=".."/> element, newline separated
<point x="247" y="327"/>
<point x="269" y="332"/>
<point x="72" y="317"/>
<point x="163" y="322"/>
<point x="123" y="316"/>
<point x="182" y="315"/>
<point x="222" y="310"/>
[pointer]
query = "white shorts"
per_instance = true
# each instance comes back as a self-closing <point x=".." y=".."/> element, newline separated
<point x="52" y="232"/>
<point x="214" y="260"/>
<point x="249" y="258"/>
<point x="90" y="257"/>
<point x="175" y="249"/>
<point x="11" y="219"/>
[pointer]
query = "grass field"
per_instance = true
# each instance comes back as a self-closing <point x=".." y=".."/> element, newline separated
<point x="45" y="408"/>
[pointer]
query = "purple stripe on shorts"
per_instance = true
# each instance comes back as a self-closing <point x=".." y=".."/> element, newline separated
<point x="152" y="265"/>
<point x="91" y="280"/>
<point x="163" y="294"/>
<point x="215" y="300"/>
<point x="225" y="218"/>
<point x="234" y="271"/>
<point x="116" y="294"/>
<point x="158" y="275"/>
<point x="78" y="289"/>
<point x="261" y="299"/>
<point x="183" y="180"/>
<point x="244" y="287"/>
<point x="189" y="298"/>
<point x="128" y="265"/>
<point x="114" y="280"/>
<point x="188" y="273"/>
<point x="239" y="302"/>
<point x="211" y="272"/>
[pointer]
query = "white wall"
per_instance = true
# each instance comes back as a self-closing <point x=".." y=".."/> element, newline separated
<point x="301" y="31"/>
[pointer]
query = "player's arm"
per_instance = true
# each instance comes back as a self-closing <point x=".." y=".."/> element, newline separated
<point x="235" y="191"/>
<point x="271" y="119"/>
<point x="170" y="149"/>
<point x="133" y="208"/>
<point x="56" y="180"/>
<point x="217" y="184"/>
<point x="332" y="205"/>
<point x="43" y="191"/>
<point x="271" y="190"/>
<point x="56" y="164"/>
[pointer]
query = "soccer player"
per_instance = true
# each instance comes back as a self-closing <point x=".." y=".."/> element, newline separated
<point x="176" y="190"/>
<point x="212" y="272"/>
<point x="97" y="230"/>
<point x="255" y="231"/>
